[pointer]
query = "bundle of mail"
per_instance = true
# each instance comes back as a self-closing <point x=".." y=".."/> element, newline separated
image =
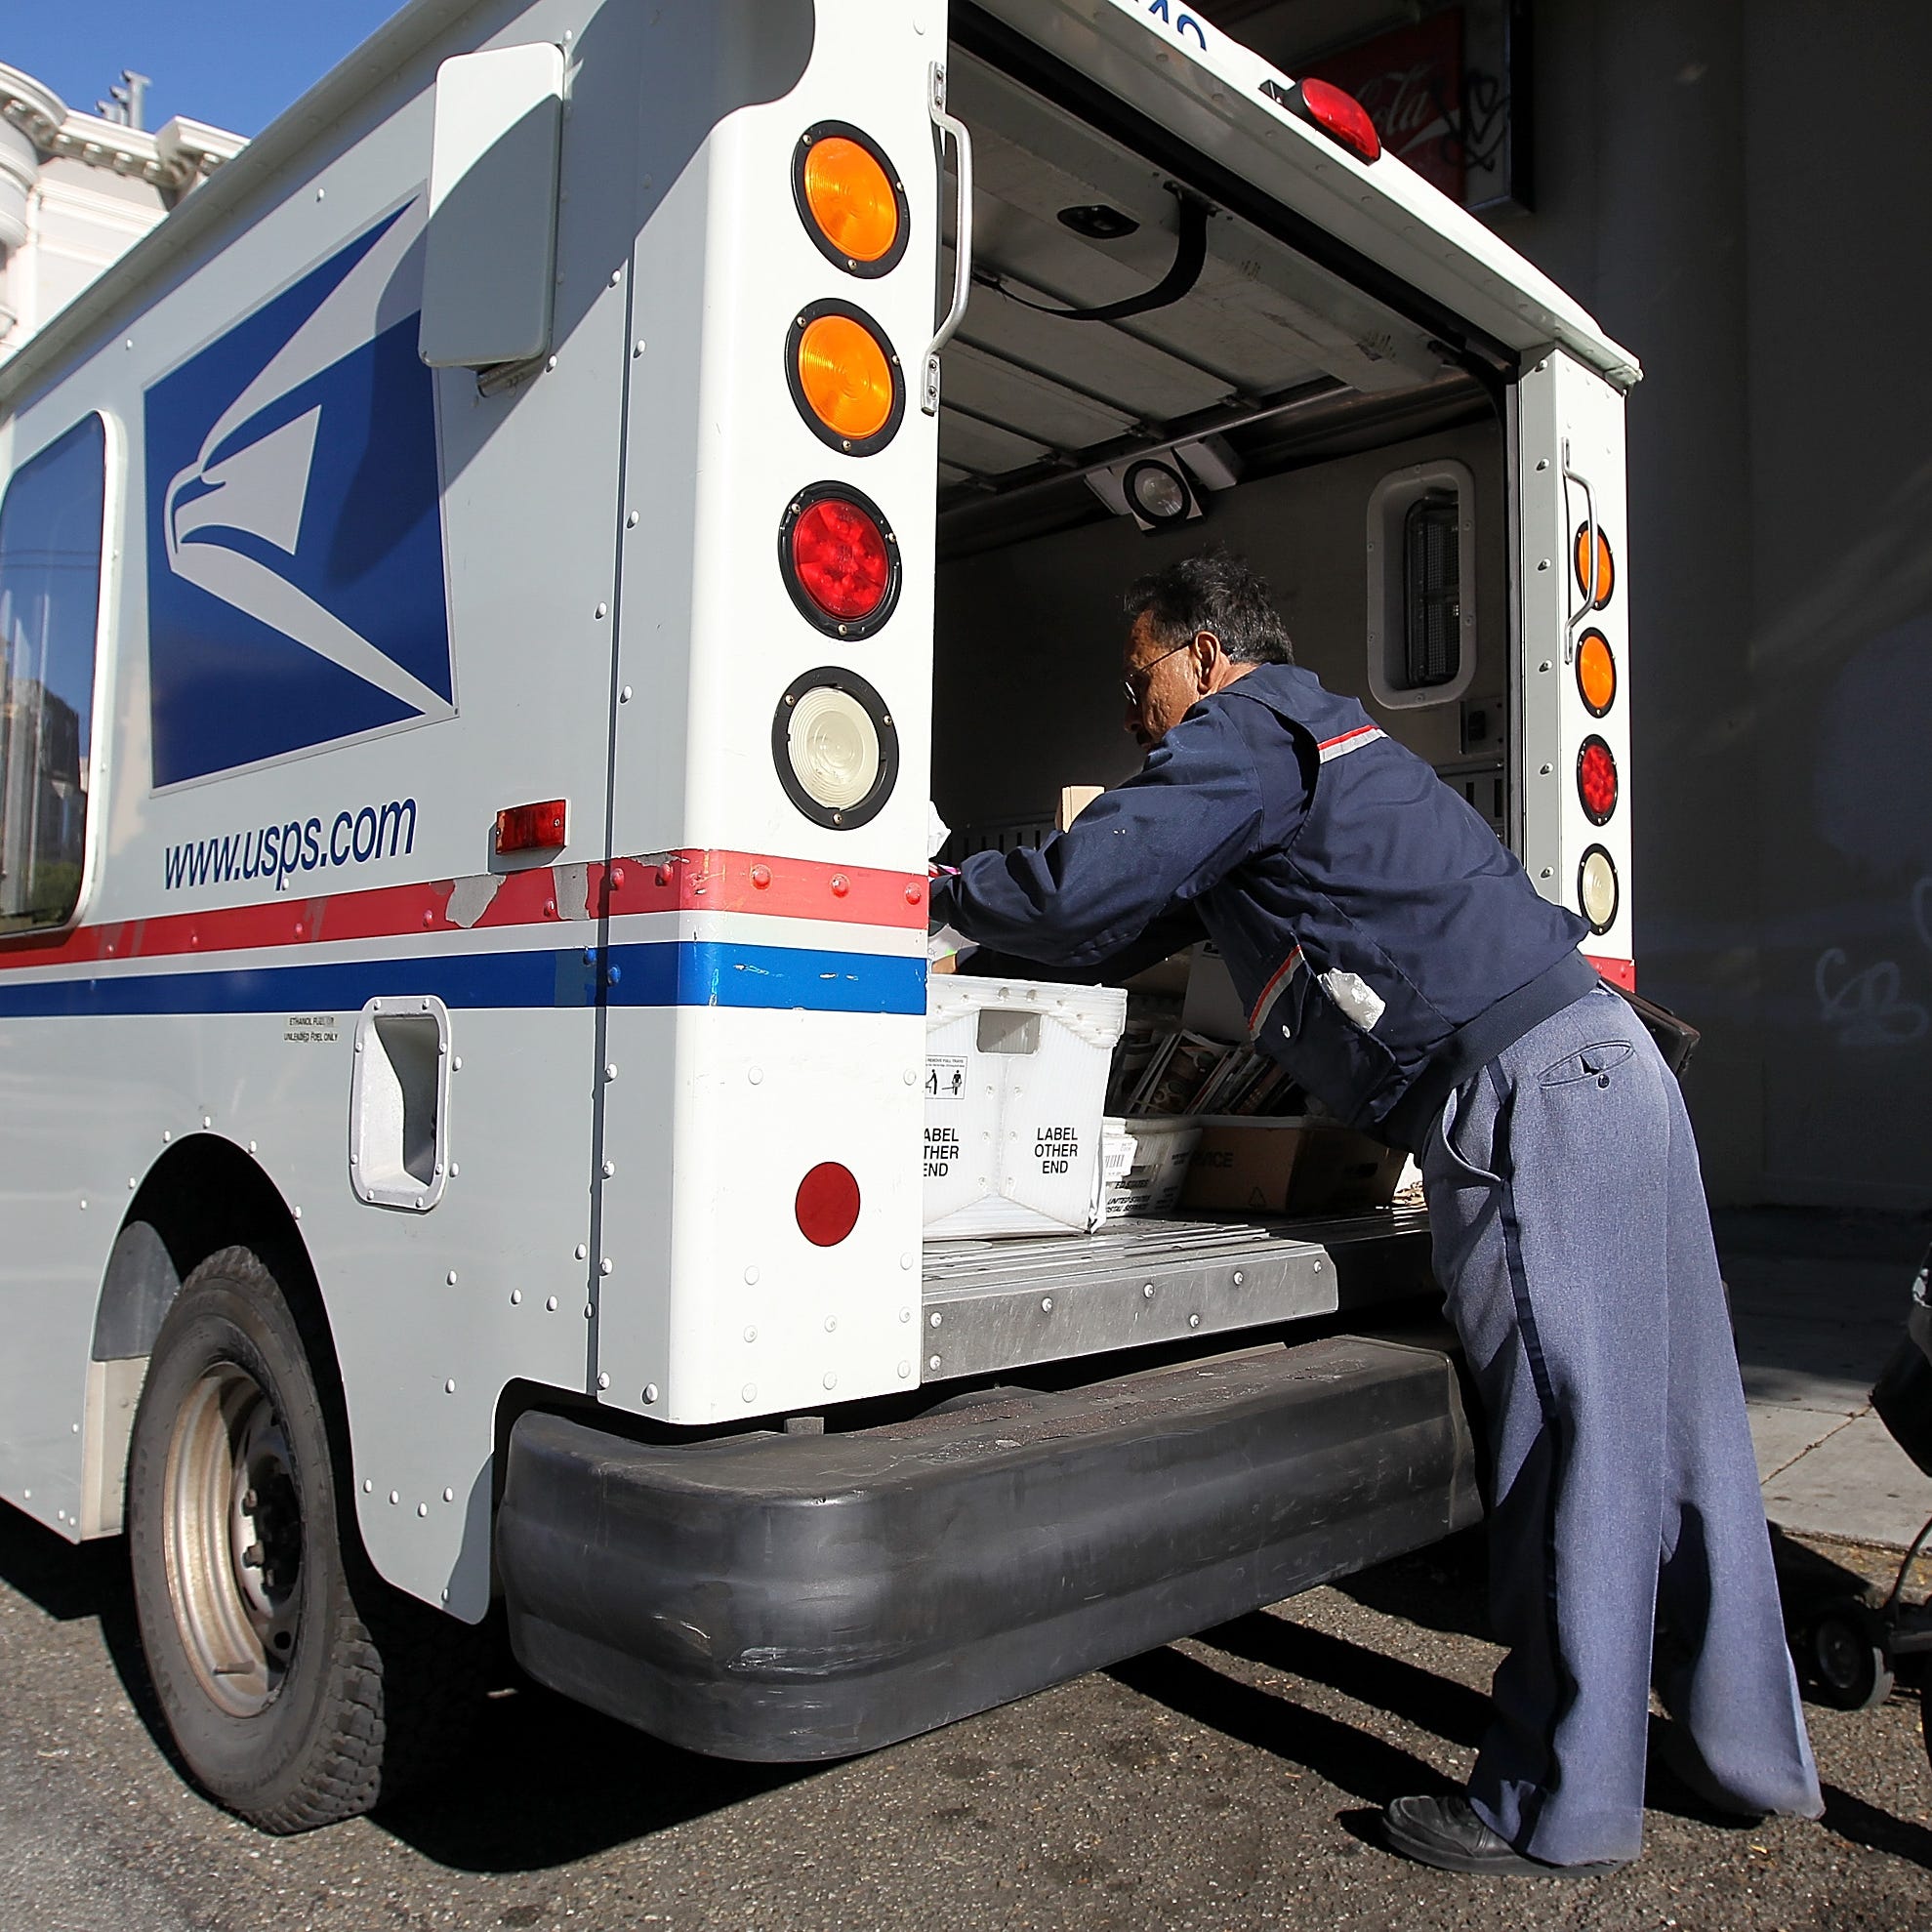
<point x="1168" y="1071"/>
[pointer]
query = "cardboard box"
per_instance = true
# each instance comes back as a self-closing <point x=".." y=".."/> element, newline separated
<point x="1287" y="1166"/>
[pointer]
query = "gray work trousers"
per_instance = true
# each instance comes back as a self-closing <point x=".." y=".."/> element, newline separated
<point x="1573" y="1247"/>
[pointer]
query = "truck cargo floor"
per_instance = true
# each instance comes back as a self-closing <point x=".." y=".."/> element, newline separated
<point x="994" y="1305"/>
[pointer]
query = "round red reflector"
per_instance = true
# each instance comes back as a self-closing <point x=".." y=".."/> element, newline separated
<point x="1596" y="780"/>
<point x="828" y="1205"/>
<point x="1341" y="116"/>
<point x="842" y="559"/>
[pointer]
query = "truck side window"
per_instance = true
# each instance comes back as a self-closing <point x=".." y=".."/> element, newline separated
<point x="1421" y="553"/>
<point x="1432" y="606"/>
<point x="50" y="599"/>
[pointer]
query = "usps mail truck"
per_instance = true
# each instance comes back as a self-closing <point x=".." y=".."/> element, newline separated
<point x="488" y="587"/>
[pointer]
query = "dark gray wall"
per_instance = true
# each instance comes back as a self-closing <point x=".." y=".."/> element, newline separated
<point x="1737" y="189"/>
<point x="1730" y="189"/>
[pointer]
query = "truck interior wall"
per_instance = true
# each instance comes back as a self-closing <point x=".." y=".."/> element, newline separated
<point x="1028" y="637"/>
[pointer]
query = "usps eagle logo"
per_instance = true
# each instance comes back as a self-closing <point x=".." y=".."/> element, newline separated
<point x="294" y="558"/>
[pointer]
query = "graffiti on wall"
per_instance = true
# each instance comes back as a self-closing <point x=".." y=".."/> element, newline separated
<point x="1872" y="798"/>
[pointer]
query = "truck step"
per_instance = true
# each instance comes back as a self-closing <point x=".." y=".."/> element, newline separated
<point x="992" y="1304"/>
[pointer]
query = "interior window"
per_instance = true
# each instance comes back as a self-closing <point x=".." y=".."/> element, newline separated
<point x="50" y="600"/>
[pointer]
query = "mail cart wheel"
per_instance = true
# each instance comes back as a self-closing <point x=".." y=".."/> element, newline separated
<point x="1850" y="1662"/>
<point x="261" y="1632"/>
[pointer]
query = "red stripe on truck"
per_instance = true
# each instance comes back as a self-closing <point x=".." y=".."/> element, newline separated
<point x="693" y="880"/>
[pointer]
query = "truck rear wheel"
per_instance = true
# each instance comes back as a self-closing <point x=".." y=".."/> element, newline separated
<point x="260" y="1625"/>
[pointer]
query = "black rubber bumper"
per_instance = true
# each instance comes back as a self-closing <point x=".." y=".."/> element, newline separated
<point x="783" y="1597"/>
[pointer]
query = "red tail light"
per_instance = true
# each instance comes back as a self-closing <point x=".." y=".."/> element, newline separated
<point x="840" y="559"/>
<point x="1596" y="780"/>
<point x="1338" y="115"/>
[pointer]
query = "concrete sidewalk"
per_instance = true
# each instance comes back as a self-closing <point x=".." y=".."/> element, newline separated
<point x="1819" y="1301"/>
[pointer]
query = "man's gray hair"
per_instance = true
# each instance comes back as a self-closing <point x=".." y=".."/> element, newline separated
<point x="1214" y="590"/>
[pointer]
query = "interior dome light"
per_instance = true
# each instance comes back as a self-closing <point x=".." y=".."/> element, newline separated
<point x="1158" y="491"/>
<point x="1598" y="590"/>
<point x="852" y="199"/>
<point x="1596" y="780"/>
<point x="835" y="747"/>
<point x="827" y="1207"/>
<point x="1596" y="673"/>
<point x="843" y="378"/>
<point x="840" y="559"/>
<point x="1338" y="115"/>
<point x="1596" y="890"/>
<point x="1098" y="221"/>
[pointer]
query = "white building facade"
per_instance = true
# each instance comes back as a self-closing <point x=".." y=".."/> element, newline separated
<point x="76" y="191"/>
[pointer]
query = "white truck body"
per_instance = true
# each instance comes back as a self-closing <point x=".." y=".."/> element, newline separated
<point x="539" y="1122"/>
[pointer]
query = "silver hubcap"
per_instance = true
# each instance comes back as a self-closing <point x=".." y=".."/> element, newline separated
<point x="233" y="1540"/>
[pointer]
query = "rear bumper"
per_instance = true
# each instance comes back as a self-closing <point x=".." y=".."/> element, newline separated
<point x="783" y="1598"/>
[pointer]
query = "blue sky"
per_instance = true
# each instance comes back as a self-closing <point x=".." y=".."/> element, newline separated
<point x="235" y="64"/>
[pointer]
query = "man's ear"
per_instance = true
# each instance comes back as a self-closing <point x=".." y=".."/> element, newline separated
<point x="1207" y="654"/>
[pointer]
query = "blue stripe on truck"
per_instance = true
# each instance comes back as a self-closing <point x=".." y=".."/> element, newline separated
<point x="665" y="974"/>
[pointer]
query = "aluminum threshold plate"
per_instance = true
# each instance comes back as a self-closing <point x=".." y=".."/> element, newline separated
<point x="1001" y="1304"/>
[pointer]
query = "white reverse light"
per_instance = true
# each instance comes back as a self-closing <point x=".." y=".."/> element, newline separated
<point x="835" y="747"/>
<point x="1596" y="888"/>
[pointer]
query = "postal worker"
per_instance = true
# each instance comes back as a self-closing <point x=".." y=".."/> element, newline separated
<point x="1393" y="954"/>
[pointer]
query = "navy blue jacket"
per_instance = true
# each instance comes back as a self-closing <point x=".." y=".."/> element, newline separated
<point x="1384" y="943"/>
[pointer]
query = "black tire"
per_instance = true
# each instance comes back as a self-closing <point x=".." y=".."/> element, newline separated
<point x="1850" y="1663"/>
<point x="299" y="1690"/>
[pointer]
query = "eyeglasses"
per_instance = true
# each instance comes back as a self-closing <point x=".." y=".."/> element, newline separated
<point x="1135" y="683"/>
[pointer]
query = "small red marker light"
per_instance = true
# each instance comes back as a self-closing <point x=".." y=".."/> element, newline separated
<point x="761" y="876"/>
<point x="828" y="1205"/>
<point x="1338" y="115"/>
<point x="915" y="892"/>
<point x="841" y="885"/>
<point x="532" y="828"/>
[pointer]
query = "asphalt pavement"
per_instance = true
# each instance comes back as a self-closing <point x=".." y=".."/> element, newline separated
<point x="1231" y="1781"/>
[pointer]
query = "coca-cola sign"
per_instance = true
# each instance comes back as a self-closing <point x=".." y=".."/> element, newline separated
<point x="1438" y="90"/>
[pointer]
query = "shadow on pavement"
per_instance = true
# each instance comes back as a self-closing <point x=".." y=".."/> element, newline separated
<point x="1367" y="1767"/>
<point x="1878" y="1830"/>
<point x="545" y="1782"/>
<point x="1444" y="1588"/>
<point x="63" y="1581"/>
<point x="72" y="1582"/>
<point x="1451" y="1710"/>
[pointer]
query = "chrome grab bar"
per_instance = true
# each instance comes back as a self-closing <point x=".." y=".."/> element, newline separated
<point x="962" y="232"/>
<point x="1583" y="483"/>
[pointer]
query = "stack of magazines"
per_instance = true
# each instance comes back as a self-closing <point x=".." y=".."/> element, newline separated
<point x="1167" y="1072"/>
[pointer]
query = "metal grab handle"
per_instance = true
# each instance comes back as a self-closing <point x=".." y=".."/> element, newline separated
<point x="1583" y="483"/>
<point x="935" y="76"/>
